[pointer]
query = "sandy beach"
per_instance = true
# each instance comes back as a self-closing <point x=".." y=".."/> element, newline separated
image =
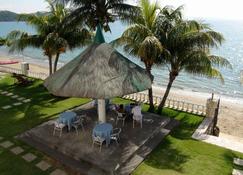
<point x="231" y="111"/>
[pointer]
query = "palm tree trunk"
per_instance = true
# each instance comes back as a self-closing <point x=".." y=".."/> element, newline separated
<point x="171" y="80"/>
<point x="56" y="61"/>
<point x="151" y="100"/>
<point x="150" y="91"/>
<point x="50" y="64"/>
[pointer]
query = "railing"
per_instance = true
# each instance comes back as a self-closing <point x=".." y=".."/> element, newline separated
<point x="10" y="70"/>
<point x="170" y="103"/>
<point x="38" y="75"/>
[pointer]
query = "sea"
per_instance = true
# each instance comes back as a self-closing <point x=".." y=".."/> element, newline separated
<point x="232" y="49"/>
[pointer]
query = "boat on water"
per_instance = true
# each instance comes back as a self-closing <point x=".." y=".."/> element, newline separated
<point x="8" y="62"/>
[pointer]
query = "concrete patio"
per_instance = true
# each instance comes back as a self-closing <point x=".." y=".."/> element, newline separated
<point x="75" y="151"/>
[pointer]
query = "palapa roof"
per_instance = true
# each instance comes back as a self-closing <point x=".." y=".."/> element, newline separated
<point x="98" y="72"/>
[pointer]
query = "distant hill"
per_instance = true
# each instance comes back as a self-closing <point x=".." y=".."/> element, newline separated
<point x="11" y="16"/>
<point x="8" y="16"/>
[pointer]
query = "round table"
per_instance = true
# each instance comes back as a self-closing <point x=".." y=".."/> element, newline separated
<point x="67" y="118"/>
<point x="103" y="130"/>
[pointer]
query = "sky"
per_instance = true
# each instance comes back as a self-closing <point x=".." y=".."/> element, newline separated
<point x="217" y="9"/>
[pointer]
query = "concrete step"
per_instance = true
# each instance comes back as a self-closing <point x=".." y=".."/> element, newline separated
<point x="237" y="172"/>
<point x="238" y="161"/>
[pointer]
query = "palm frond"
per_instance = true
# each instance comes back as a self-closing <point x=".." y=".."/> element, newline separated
<point x="2" y="41"/>
<point x="220" y="61"/>
<point x="150" y="49"/>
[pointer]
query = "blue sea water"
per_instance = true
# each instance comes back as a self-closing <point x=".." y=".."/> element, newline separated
<point x="232" y="49"/>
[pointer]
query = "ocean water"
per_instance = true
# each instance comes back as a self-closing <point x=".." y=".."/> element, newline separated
<point x="232" y="49"/>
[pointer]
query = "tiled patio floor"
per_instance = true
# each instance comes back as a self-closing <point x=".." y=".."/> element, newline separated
<point x="113" y="159"/>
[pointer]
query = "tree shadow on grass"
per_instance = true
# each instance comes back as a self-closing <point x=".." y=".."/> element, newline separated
<point x="165" y="156"/>
<point x="43" y="107"/>
<point x="17" y="121"/>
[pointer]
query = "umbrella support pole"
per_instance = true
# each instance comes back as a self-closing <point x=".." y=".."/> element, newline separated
<point x="101" y="110"/>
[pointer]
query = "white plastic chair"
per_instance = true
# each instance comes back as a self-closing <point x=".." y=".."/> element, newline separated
<point x="137" y="115"/>
<point x="98" y="141"/>
<point x="121" y="117"/>
<point x="58" y="127"/>
<point x="77" y="123"/>
<point x="116" y="135"/>
<point x="138" y="119"/>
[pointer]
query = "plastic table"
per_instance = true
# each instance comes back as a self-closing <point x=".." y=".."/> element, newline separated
<point x="67" y="118"/>
<point x="103" y="130"/>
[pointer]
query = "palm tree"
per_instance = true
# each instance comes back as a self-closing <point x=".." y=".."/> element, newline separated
<point x="53" y="35"/>
<point x="187" y="45"/>
<point x="102" y="12"/>
<point x="139" y="39"/>
<point x="2" y="41"/>
<point x="66" y="35"/>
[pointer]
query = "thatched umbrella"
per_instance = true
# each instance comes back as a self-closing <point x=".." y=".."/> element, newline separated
<point x="99" y="72"/>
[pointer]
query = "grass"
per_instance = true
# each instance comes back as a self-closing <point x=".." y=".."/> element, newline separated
<point x="5" y="100"/>
<point x="43" y="107"/>
<point x="178" y="154"/>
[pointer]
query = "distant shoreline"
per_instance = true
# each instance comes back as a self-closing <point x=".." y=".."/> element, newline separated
<point x="9" y="16"/>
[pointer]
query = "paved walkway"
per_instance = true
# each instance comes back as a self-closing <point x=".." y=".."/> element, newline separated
<point x="238" y="162"/>
<point x="29" y="157"/>
<point x="19" y="100"/>
<point x="200" y="134"/>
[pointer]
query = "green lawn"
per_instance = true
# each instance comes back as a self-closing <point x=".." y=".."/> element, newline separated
<point x="4" y="100"/>
<point x="14" y="121"/>
<point x="177" y="154"/>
